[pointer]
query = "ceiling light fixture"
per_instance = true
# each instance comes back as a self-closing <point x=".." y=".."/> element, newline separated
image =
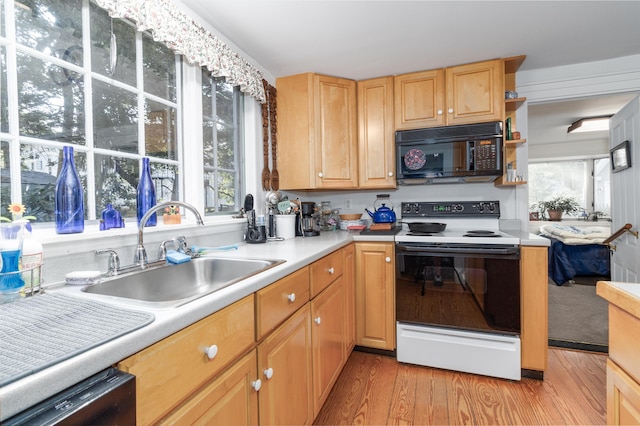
<point x="591" y="124"/>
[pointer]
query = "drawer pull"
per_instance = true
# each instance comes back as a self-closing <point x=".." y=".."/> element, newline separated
<point x="268" y="373"/>
<point x="292" y="297"/>
<point x="211" y="351"/>
<point x="387" y="259"/>
<point x="317" y="320"/>
<point x="331" y="270"/>
<point x="256" y="385"/>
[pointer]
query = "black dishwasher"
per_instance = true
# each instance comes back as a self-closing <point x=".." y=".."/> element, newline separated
<point x="107" y="398"/>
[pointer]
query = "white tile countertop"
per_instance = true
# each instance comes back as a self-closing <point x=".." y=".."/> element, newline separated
<point x="297" y="253"/>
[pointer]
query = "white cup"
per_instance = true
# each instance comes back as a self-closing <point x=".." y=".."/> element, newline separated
<point x="286" y="226"/>
<point x="511" y="175"/>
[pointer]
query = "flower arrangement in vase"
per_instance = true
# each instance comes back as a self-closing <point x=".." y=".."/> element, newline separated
<point x="171" y="215"/>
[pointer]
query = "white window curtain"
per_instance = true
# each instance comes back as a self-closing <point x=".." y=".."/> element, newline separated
<point x="183" y="35"/>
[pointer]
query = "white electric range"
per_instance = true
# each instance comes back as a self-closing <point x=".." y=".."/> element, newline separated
<point x="458" y="289"/>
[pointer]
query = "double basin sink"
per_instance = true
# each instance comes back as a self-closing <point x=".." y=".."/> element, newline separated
<point x="169" y="285"/>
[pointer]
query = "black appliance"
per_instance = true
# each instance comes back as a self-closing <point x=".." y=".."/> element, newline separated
<point x="458" y="289"/>
<point x="309" y="220"/>
<point x="452" y="154"/>
<point x="107" y="398"/>
<point x="254" y="233"/>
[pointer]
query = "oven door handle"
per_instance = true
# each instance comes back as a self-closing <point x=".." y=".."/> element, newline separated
<point x="503" y="251"/>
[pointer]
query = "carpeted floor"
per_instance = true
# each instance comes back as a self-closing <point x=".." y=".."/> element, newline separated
<point x="578" y="317"/>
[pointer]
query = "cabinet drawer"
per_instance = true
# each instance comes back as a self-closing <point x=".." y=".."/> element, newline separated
<point x="325" y="271"/>
<point x="624" y="340"/>
<point x="172" y="369"/>
<point x="280" y="300"/>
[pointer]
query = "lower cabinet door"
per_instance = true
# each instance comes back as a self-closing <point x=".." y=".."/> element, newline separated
<point x="623" y="397"/>
<point x="231" y="399"/>
<point x="375" y="296"/>
<point x="284" y="367"/>
<point x="328" y="337"/>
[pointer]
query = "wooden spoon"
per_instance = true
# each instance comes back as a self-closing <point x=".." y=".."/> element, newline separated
<point x="266" y="174"/>
<point x="275" y="177"/>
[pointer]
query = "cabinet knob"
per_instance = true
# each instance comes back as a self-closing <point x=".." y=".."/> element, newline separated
<point x="268" y="373"/>
<point x="320" y="174"/>
<point x="439" y="112"/>
<point x="390" y="174"/>
<point x="450" y="110"/>
<point x="331" y="270"/>
<point x="256" y="385"/>
<point x="317" y="320"/>
<point x="211" y="351"/>
<point x="387" y="259"/>
<point x="292" y="297"/>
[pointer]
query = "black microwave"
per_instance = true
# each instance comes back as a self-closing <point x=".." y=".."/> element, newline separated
<point x="452" y="154"/>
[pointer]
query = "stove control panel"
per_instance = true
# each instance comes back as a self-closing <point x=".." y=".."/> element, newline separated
<point x="451" y="209"/>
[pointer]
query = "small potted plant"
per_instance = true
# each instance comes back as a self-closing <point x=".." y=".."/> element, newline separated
<point x="171" y="215"/>
<point x="559" y="205"/>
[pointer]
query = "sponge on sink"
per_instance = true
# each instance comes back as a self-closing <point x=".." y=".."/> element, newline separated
<point x="177" y="257"/>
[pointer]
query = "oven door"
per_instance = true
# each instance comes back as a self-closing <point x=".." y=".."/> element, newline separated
<point x="463" y="286"/>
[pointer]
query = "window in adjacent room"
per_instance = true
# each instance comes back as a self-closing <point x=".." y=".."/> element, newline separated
<point x="587" y="180"/>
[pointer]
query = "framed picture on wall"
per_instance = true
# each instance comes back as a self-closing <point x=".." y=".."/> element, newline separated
<point x="620" y="157"/>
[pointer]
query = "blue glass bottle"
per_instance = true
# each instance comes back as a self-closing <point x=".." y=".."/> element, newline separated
<point x="146" y="194"/>
<point x="69" y="211"/>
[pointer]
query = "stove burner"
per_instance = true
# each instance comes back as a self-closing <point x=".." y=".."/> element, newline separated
<point x="481" y="233"/>
<point x="420" y="234"/>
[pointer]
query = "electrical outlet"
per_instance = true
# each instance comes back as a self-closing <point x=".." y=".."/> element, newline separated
<point x="347" y="203"/>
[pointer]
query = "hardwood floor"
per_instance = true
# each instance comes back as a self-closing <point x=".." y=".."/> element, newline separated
<point x="377" y="390"/>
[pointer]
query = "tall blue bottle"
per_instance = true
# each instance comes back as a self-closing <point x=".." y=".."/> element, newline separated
<point x="69" y="197"/>
<point x="146" y="194"/>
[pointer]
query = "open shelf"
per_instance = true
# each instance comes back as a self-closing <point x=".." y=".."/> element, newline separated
<point x="513" y="104"/>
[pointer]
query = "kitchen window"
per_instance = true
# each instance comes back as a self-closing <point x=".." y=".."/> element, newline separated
<point x="71" y="75"/>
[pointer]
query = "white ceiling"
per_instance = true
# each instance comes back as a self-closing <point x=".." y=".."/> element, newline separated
<point x="365" y="39"/>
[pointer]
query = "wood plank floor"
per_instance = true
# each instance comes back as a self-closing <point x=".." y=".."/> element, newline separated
<point x="377" y="390"/>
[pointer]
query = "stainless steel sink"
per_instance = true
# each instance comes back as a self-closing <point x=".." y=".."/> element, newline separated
<point x="174" y="285"/>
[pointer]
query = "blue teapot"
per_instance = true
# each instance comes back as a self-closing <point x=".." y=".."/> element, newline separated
<point x="382" y="214"/>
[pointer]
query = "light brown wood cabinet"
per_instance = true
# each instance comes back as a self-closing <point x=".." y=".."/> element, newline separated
<point x="285" y="355"/>
<point x="277" y="302"/>
<point x="375" y="295"/>
<point x="623" y="365"/>
<point x="376" y="134"/>
<point x="419" y="99"/>
<point x="623" y="397"/>
<point x="278" y="353"/>
<point x="350" y="297"/>
<point x="463" y="94"/>
<point x="328" y="313"/>
<point x="317" y="132"/>
<point x="169" y="371"/>
<point x="534" y="311"/>
<point x="230" y="399"/>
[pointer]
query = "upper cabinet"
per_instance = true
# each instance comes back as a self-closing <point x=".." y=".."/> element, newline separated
<point x="463" y="94"/>
<point x="376" y="147"/>
<point x="334" y="133"/>
<point x="317" y="132"/>
<point x="419" y="99"/>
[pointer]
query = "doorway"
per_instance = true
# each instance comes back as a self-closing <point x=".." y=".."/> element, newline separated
<point x="577" y="316"/>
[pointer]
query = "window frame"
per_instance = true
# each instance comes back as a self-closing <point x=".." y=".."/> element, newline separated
<point x="589" y="182"/>
<point x="188" y="127"/>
